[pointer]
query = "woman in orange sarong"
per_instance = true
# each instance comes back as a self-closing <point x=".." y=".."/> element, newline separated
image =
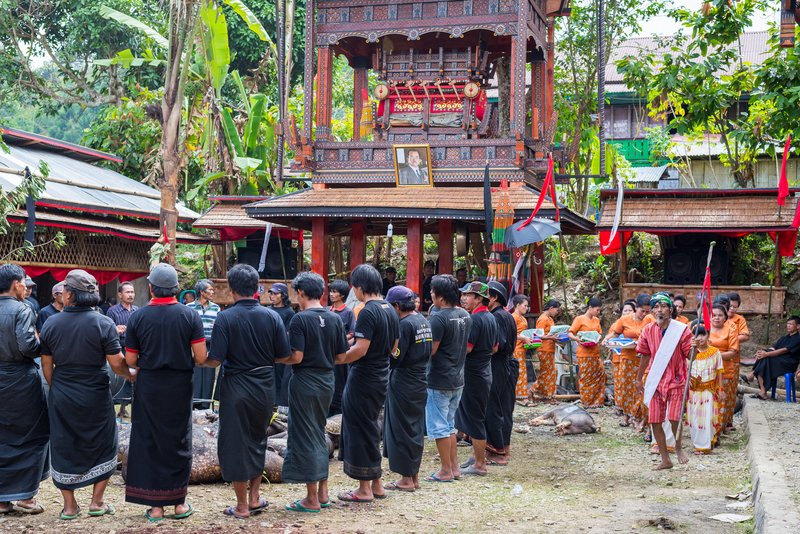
<point x="521" y="305"/>
<point x="629" y="326"/>
<point x="546" y="380"/>
<point x="628" y="307"/>
<point x="680" y="303"/>
<point x="725" y="337"/>
<point x="591" y="373"/>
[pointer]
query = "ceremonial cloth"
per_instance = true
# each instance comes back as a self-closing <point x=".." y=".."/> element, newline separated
<point x="310" y="394"/>
<point x="24" y="432"/>
<point x="83" y="431"/>
<point x="245" y="409"/>
<point x="669" y="342"/>
<point x="160" y="453"/>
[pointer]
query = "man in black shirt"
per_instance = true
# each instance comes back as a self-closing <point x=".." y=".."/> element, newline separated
<point x="450" y="327"/>
<point x="337" y="293"/>
<point x="164" y="340"/>
<point x="781" y="358"/>
<point x="317" y="337"/>
<point x="279" y="297"/>
<point x="389" y="280"/>
<point x="24" y="428"/>
<point x="376" y="334"/>
<point x="53" y="308"/>
<point x="29" y="298"/>
<point x="505" y="372"/>
<point x="428" y="271"/>
<point x="248" y="339"/>
<point x="483" y="342"/>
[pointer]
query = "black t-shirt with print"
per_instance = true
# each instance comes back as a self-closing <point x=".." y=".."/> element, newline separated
<point x="319" y="334"/>
<point x="377" y="322"/>
<point x="415" y="343"/>
<point x="451" y="328"/>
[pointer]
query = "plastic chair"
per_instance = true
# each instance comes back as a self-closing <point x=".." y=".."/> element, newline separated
<point x="791" y="393"/>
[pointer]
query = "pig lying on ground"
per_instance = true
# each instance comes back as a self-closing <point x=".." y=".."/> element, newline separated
<point x="569" y="419"/>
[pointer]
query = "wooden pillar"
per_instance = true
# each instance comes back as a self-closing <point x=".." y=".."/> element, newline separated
<point x="414" y="254"/>
<point x="319" y="250"/>
<point x="551" y="61"/>
<point x="446" y="246"/>
<point x="516" y="120"/>
<point x="538" y="88"/>
<point x="536" y="293"/>
<point x="324" y="92"/>
<point x="360" y="65"/>
<point x="308" y="77"/>
<point x="358" y="245"/>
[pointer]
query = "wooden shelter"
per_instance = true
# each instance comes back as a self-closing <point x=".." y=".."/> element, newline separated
<point x="110" y="221"/>
<point x="686" y="221"/>
<point x="434" y="62"/>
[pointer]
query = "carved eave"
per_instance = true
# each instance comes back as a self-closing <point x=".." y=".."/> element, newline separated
<point x="414" y="32"/>
<point x="558" y="8"/>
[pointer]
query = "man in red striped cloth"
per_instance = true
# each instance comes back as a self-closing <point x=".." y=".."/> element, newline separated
<point x="664" y="347"/>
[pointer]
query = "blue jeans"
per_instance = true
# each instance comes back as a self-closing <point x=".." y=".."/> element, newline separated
<point x="440" y="412"/>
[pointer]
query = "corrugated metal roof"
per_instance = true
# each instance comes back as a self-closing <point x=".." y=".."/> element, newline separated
<point x="754" y="49"/>
<point x="648" y="174"/>
<point x="79" y="185"/>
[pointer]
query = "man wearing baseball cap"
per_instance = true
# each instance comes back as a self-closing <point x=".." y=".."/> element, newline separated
<point x="53" y="308"/>
<point x="279" y="297"/>
<point x="164" y="341"/>
<point x="505" y="371"/>
<point x="483" y="342"/>
<point x="29" y="285"/>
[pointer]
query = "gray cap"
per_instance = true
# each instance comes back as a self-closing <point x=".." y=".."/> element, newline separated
<point x="29" y="282"/>
<point x="163" y="275"/>
<point x="58" y="288"/>
<point x="81" y="280"/>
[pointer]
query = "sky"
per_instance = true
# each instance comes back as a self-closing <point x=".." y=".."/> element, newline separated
<point x="664" y="25"/>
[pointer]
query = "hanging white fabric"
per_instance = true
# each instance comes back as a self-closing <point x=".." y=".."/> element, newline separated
<point x="617" y="214"/>
<point x="262" y="262"/>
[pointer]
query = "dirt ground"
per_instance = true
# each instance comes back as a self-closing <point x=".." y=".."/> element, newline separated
<point x="586" y="483"/>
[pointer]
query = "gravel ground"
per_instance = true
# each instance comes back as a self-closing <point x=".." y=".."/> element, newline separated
<point x="585" y="483"/>
<point x="784" y="425"/>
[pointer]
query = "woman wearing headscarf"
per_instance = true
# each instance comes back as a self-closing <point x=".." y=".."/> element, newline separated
<point x="404" y="414"/>
<point x="76" y="345"/>
<point x="592" y="375"/>
<point x="376" y="337"/>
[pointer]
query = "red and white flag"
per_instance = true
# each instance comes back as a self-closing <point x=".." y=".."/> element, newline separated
<point x="783" y="182"/>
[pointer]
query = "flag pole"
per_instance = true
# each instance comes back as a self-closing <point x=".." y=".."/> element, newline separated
<point x="693" y="352"/>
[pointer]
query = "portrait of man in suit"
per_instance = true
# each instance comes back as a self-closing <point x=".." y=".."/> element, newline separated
<point x="412" y="165"/>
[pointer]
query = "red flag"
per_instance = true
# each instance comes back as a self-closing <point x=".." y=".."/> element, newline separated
<point x="706" y="296"/>
<point x="783" y="182"/>
<point x="548" y="186"/>
<point x="166" y="237"/>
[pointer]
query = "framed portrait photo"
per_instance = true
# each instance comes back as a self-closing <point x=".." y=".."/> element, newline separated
<point x="412" y="165"/>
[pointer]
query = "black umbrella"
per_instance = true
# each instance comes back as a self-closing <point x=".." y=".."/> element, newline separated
<point x="535" y="231"/>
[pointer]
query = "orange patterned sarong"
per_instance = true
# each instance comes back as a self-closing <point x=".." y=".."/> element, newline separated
<point x="625" y="387"/>
<point x="591" y="381"/>
<point x="522" y="381"/>
<point x="546" y="380"/>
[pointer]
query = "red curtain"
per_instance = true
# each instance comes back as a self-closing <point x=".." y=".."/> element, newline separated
<point x="786" y="242"/>
<point x="103" y="277"/>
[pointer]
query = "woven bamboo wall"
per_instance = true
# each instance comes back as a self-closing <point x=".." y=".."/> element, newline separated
<point x="96" y="251"/>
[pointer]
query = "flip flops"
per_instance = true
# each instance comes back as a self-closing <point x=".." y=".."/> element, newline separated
<point x="264" y="504"/>
<point x="105" y="510"/>
<point x="472" y="470"/>
<point x="150" y="518"/>
<point x="350" y="496"/>
<point x="297" y="506"/>
<point x="32" y="510"/>
<point x="468" y="463"/>
<point x="66" y="517"/>
<point x="395" y="486"/>
<point x="434" y="478"/>
<point x="185" y="514"/>
<point x="326" y="504"/>
<point x="230" y="511"/>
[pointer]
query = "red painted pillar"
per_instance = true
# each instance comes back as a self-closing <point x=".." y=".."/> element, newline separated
<point x="319" y="250"/>
<point x="414" y="255"/>
<point x="358" y="245"/>
<point x="446" y="246"/>
<point x="536" y="293"/>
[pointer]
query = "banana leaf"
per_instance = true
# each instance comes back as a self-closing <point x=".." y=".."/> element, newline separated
<point x="215" y="40"/>
<point x="250" y="137"/>
<point x="127" y="20"/>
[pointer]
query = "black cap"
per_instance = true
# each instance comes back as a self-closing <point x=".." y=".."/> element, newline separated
<point x="499" y="290"/>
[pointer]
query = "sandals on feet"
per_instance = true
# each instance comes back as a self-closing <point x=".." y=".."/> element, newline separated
<point x="350" y="496"/>
<point x="189" y="511"/>
<point x="297" y="506"/>
<point x="150" y="518"/>
<point x="66" y="517"/>
<point x="264" y="504"/>
<point x="105" y="510"/>
<point x="230" y="511"/>
<point x="32" y="510"/>
<point x="396" y="486"/>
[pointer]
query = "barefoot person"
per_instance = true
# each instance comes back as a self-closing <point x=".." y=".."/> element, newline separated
<point x="404" y="414"/>
<point x="664" y="345"/>
<point x="317" y="337"/>
<point x="450" y="327"/>
<point x="705" y="393"/>
<point x="248" y="339"/>
<point x="376" y="334"/>
<point x="483" y="342"/>
<point x="79" y="342"/>
<point x="164" y="340"/>
<point x="24" y="428"/>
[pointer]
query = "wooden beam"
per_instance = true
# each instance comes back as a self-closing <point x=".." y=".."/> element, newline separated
<point x="358" y="244"/>
<point x="516" y="121"/>
<point x="414" y="254"/>
<point x="319" y="250"/>
<point x="324" y="92"/>
<point x="446" y="246"/>
<point x="308" y="76"/>
<point x="359" y="85"/>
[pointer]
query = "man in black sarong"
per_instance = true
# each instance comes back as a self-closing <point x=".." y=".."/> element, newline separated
<point x="471" y="414"/>
<point x="505" y="372"/>
<point x="376" y="334"/>
<point x="248" y="339"/>
<point x="317" y="337"/>
<point x="80" y="342"/>
<point x="279" y="298"/>
<point x="781" y="358"/>
<point x="164" y="340"/>
<point x="24" y="428"/>
<point x="404" y="414"/>
<point x="337" y="294"/>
